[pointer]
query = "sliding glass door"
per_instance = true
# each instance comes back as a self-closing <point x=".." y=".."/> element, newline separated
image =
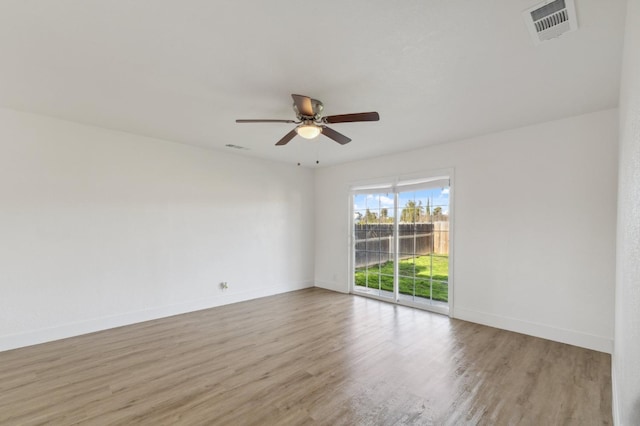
<point x="374" y="247"/>
<point x="423" y="256"/>
<point x="400" y="246"/>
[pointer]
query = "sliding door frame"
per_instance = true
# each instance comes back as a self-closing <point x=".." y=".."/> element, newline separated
<point x="395" y="184"/>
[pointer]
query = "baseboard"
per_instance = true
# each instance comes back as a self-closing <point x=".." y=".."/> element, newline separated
<point x="103" y="323"/>
<point x="583" y="340"/>
<point x="333" y="286"/>
<point x="614" y="394"/>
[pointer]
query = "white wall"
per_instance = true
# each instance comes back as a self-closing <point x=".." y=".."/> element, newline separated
<point x="101" y="228"/>
<point x="626" y="355"/>
<point x="534" y="230"/>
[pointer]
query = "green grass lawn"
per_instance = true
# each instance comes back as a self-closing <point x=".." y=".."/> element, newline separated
<point x="412" y="274"/>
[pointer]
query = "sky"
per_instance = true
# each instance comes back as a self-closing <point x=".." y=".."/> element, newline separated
<point x="375" y="202"/>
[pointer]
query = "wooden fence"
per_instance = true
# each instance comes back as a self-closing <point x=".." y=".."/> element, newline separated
<point x="374" y="242"/>
<point x="441" y="238"/>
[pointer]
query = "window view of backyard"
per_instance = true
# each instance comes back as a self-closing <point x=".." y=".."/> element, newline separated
<point x="422" y="244"/>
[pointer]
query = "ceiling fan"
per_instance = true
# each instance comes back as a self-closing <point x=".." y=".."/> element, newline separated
<point x="310" y="123"/>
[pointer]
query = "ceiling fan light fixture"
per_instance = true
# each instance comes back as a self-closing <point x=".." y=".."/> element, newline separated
<point x="308" y="131"/>
<point x="310" y="123"/>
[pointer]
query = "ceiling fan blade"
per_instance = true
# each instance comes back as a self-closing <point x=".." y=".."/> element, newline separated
<point x="336" y="136"/>
<point x="348" y="118"/>
<point x="265" y="121"/>
<point x="303" y="103"/>
<point x="285" y="140"/>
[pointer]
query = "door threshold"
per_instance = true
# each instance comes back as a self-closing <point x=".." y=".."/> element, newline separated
<point x="431" y="306"/>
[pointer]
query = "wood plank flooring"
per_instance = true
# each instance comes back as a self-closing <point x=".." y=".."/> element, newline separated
<point x="305" y="357"/>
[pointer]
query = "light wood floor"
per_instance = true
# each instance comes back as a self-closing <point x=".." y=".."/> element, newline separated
<point x="306" y="357"/>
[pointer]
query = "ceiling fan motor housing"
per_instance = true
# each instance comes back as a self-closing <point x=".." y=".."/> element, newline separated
<point x="317" y="108"/>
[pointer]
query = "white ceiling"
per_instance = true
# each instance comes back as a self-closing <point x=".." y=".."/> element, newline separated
<point x="184" y="70"/>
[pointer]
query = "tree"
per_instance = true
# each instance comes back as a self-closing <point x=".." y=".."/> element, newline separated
<point x="437" y="213"/>
<point x="384" y="215"/>
<point x="412" y="212"/>
<point x="370" y="217"/>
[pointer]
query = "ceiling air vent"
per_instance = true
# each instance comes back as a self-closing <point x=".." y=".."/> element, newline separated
<point x="551" y="19"/>
<point x="230" y="145"/>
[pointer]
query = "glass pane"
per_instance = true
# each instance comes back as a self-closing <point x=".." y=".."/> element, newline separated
<point x="407" y="285"/>
<point x="440" y="291"/>
<point x="373" y="233"/>
<point x="422" y="240"/>
<point x="423" y="235"/>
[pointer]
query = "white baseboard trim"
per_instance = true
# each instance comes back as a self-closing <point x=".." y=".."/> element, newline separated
<point x="333" y="286"/>
<point x="64" y="331"/>
<point x="575" y="338"/>
<point x="614" y="394"/>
